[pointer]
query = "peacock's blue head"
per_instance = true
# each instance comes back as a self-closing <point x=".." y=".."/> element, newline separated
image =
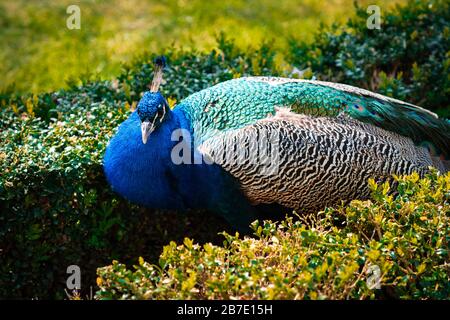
<point x="152" y="110"/>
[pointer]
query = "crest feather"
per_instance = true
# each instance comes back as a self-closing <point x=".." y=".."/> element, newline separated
<point x="160" y="63"/>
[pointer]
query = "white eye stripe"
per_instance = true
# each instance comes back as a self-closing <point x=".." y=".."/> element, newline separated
<point x="157" y="113"/>
<point x="164" y="114"/>
<point x="154" y="119"/>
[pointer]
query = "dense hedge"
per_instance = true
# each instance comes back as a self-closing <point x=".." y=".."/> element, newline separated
<point x="408" y="58"/>
<point x="336" y="255"/>
<point x="55" y="206"/>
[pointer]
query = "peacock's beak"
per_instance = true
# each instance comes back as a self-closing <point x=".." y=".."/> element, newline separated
<point x="146" y="129"/>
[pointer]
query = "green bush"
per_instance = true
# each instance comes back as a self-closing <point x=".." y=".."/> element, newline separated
<point x="405" y="237"/>
<point x="408" y="58"/>
<point x="56" y="208"/>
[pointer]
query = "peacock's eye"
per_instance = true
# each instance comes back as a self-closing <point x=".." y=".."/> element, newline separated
<point x="161" y="112"/>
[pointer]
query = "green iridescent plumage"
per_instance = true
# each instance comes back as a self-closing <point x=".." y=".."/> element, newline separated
<point x="236" y="103"/>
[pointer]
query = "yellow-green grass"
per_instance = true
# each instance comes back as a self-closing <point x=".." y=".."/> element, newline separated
<point x="39" y="53"/>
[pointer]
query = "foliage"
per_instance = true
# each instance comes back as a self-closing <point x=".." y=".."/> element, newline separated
<point x="191" y="71"/>
<point x="334" y="257"/>
<point x="56" y="207"/>
<point x="408" y="58"/>
<point x="39" y="53"/>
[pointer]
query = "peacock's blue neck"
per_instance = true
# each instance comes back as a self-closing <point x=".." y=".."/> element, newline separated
<point x="145" y="173"/>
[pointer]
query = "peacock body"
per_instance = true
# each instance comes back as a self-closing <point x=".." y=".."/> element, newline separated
<point x="258" y="141"/>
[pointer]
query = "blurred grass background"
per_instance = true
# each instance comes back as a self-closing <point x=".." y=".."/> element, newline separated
<point x="39" y="53"/>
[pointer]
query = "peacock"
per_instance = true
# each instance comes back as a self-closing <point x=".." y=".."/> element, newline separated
<point x="252" y="143"/>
